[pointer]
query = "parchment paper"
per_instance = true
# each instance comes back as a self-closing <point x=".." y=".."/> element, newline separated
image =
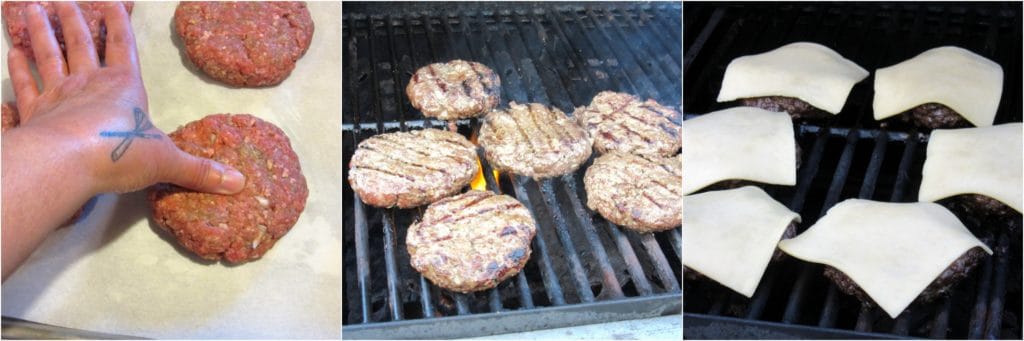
<point x="115" y="272"/>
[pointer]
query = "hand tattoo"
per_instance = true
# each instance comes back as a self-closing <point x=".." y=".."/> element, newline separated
<point x="142" y="124"/>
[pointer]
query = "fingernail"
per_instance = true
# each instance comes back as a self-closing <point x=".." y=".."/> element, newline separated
<point x="231" y="181"/>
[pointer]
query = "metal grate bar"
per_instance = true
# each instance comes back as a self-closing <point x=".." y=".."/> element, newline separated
<point x="554" y="82"/>
<point x="394" y="300"/>
<point x="625" y="63"/>
<point x="643" y="286"/>
<point x="362" y="260"/>
<point x="976" y="325"/>
<point x="596" y="73"/>
<point x="425" y="301"/>
<point x="461" y="303"/>
<point x="399" y="103"/>
<point x="656" y="44"/>
<point x="554" y="289"/>
<point x="586" y="47"/>
<point x="611" y="283"/>
<point x="578" y="273"/>
<point x="705" y="33"/>
<point x="373" y="77"/>
<point x="676" y="238"/>
<point x="661" y="267"/>
<point x="995" y="306"/>
<point x="940" y="326"/>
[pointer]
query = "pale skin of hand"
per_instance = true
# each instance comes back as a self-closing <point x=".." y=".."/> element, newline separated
<point x="66" y="149"/>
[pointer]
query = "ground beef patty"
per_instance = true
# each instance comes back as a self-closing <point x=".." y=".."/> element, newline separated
<point x="533" y="140"/>
<point x="454" y="90"/>
<point x="953" y="274"/>
<point x="412" y="169"/>
<point x="795" y="107"/>
<point x="240" y="227"/>
<point x="249" y="43"/>
<point x="472" y="241"/>
<point x="621" y="122"/>
<point x="92" y="12"/>
<point x="642" y="193"/>
<point x="935" y="116"/>
<point x="978" y="206"/>
<point x="11" y="118"/>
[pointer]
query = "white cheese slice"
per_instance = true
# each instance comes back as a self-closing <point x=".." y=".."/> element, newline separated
<point x="811" y="72"/>
<point x="738" y="143"/>
<point x="957" y="78"/>
<point x="986" y="161"/>
<point x="730" y="236"/>
<point x="891" y="250"/>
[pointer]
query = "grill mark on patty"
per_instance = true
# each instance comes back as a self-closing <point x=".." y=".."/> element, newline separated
<point x="488" y="89"/>
<point x="424" y="149"/>
<point x="400" y="161"/>
<point x="532" y="114"/>
<point x="525" y="138"/>
<point x="669" y="128"/>
<point x="454" y="219"/>
<point x="655" y="202"/>
<point x="437" y="80"/>
<point x="402" y="176"/>
<point x="467" y="200"/>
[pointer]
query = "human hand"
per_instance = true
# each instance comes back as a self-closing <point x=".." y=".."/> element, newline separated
<point x="103" y="109"/>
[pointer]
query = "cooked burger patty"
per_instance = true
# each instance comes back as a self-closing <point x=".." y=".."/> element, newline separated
<point x="11" y="118"/>
<point x="243" y="226"/>
<point x="642" y="193"/>
<point x="935" y="116"/>
<point x="92" y="12"/>
<point x="533" y="140"/>
<point x="977" y="205"/>
<point x="409" y="169"/>
<point x="953" y="274"/>
<point x="790" y="232"/>
<point x="454" y="90"/>
<point x="797" y="108"/>
<point x="621" y="122"/>
<point x="472" y="241"/>
<point x="245" y="43"/>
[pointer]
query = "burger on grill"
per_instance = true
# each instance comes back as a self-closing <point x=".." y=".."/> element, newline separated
<point x="890" y="254"/>
<point x="970" y="170"/>
<point x="806" y="80"/>
<point x="945" y="87"/>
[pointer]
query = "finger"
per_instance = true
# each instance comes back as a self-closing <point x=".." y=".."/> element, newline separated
<point x="25" y="88"/>
<point x="120" y="39"/>
<point x="204" y="175"/>
<point x="49" y="59"/>
<point x="77" y="40"/>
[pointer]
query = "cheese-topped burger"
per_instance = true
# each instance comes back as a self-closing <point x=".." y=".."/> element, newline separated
<point x="731" y="236"/>
<point x="976" y="171"/>
<point x="806" y="80"/>
<point x="945" y="87"/>
<point x="889" y="254"/>
<point x="741" y="143"/>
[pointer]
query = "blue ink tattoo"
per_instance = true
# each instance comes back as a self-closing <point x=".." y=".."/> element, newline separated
<point x="142" y="124"/>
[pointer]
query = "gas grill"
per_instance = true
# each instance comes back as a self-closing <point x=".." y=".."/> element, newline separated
<point x="583" y="269"/>
<point x="853" y="156"/>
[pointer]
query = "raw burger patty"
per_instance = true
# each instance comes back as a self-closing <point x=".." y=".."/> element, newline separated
<point x="533" y="140"/>
<point x="454" y="90"/>
<point x="92" y="11"/>
<point x="249" y="44"/>
<point x="953" y="274"/>
<point x="412" y="169"/>
<point x="240" y="227"/>
<point x="621" y="122"/>
<point x="796" y="108"/>
<point x="642" y="193"/>
<point x="11" y="118"/>
<point x="472" y="241"/>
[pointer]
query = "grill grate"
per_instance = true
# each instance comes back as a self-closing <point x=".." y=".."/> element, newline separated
<point x="549" y="53"/>
<point x="853" y="156"/>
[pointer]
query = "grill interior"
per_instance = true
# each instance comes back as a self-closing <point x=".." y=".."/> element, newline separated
<point x="852" y="156"/>
<point x="559" y="54"/>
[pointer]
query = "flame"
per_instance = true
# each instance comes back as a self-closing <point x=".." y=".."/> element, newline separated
<point x="479" y="182"/>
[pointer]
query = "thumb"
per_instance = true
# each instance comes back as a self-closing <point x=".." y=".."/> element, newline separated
<point x="204" y="175"/>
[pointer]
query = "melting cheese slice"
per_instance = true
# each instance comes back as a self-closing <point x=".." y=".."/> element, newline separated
<point x="730" y="236"/>
<point x="738" y="143"/>
<point x="984" y="161"/>
<point x="957" y="78"/>
<point x="808" y="71"/>
<point x="891" y="250"/>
